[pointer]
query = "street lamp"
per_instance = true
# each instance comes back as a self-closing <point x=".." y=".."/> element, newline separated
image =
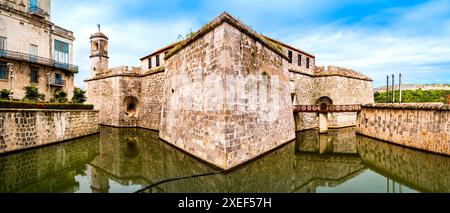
<point x="49" y="79"/>
<point x="11" y="76"/>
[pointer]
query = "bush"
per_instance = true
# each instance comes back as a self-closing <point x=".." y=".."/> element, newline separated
<point x="79" y="96"/>
<point x="4" y="94"/>
<point x="35" y="105"/>
<point x="32" y="94"/>
<point x="59" y="97"/>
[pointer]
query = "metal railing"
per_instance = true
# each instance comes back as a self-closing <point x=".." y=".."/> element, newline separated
<point x="326" y="109"/>
<point x="58" y="82"/>
<point x="37" y="60"/>
<point x="35" y="10"/>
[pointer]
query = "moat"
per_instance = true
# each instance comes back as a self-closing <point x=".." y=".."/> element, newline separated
<point x="127" y="160"/>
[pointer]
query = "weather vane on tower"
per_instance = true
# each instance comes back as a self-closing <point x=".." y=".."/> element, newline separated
<point x="98" y="25"/>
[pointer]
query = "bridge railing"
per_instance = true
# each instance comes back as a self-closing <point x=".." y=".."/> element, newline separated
<point x="327" y="109"/>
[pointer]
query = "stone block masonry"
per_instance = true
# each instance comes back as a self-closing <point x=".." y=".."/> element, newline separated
<point x="23" y="129"/>
<point x="219" y="119"/>
<point x="419" y="126"/>
<point x="112" y="94"/>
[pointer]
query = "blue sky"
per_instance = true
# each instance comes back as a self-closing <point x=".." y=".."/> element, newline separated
<point x="375" y="37"/>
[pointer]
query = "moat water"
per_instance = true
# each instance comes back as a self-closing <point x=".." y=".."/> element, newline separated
<point x="127" y="160"/>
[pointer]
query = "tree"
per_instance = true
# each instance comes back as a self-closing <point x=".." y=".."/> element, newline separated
<point x="59" y="96"/>
<point x="4" y="94"/>
<point x="415" y="96"/>
<point x="79" y="96"/>
<point x="32" y="94"/>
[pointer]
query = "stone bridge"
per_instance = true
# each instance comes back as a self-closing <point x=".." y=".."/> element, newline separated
<point x="327" y="108"/>
<point x="324" y="109"/>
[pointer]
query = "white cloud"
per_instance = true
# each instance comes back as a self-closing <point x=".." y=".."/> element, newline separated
<point x="379" y="51"/>
<point x="414" y="40"/>
<point x="129" y="39"/>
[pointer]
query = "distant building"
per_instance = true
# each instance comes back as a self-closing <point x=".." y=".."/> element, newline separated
<point x="406" y="87"/>
<point x="40" y="52"/>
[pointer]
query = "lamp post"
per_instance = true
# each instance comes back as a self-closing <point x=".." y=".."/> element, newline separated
<point x="400" y="88"/>
<point x="387" y="90"/>
<point x="393" y="88"/>
<point x="11" y="78"/>
<point x="49" y="79"/>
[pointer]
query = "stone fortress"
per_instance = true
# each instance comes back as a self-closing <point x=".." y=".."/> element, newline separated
<point x="226" y="94"/>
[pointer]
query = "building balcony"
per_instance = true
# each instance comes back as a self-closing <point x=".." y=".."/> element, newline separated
<point x="37" y="60"/>
<point x="58" y="83"/>
<point x="36" y="11"/>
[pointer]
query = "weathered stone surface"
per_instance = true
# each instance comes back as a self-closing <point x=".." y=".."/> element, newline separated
<point x="341" y="87"/>
<point x="21" y="129"/>
<point x="110" y="94"/>
<point x="233" y="134"/>
<point x="420" y="126"/>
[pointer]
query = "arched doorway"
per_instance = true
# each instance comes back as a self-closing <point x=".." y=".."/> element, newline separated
<point x="129" y="112"/>
<point x="131" y="106"/>
<point x="324" y="103"/>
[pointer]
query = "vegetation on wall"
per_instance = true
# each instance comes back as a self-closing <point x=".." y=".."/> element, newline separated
<point x="415" y="96"/>
<point x="79" y="96"/>
<point x="35" y="100"/>
<point x="4" y="94"/>
<point x="36" y="105"/>
<point x="32" y="94"/>
<point x="59" y="97"/>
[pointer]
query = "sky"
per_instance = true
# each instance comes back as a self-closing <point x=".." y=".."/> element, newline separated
<point x="374" y="37"/>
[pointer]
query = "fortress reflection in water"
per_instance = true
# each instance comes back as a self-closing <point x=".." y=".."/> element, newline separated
<point x="126" y="160"/>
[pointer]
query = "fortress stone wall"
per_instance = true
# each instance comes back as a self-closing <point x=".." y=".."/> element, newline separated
<point x="232" y="133"/>
<point x="111" y="94"/>
<point x="225" y="94"/>
<point x="419" y="126"/>
<point x="340" y="85"/>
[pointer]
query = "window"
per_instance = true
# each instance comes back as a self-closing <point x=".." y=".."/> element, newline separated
<point x="33" y="4"/>
<point x="2" y="43"/>
<point x="307" y="63"/>
<point x="3" y="71"/>
<point x="157" y="61"/>
<point x="94" y="46"/>
<point x="290" y="56"/>
<point x="61" y="52"/>
<point x="58" y="79"/>
<point x="34" y="75"/>
<point x="34" y="50"/>
<point x="150" y="62"/>
<point x="299" y="60"/>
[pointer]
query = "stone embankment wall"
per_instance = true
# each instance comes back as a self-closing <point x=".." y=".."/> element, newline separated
<point x="419" y="126"/>
<point x="23" y="129"/>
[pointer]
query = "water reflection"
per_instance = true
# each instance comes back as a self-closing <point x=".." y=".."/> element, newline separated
<point x="326" y="160"/>
<point x="126" y="160"/>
